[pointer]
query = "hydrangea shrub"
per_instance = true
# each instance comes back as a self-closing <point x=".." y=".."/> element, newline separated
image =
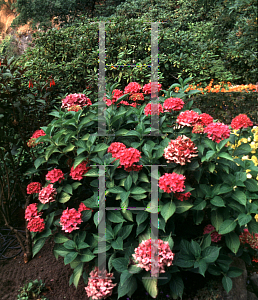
<point x="203" y="191"/>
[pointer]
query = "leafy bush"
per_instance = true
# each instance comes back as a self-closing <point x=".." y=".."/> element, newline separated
<point x="32" y="290"/>
<point x="203" y="194"/>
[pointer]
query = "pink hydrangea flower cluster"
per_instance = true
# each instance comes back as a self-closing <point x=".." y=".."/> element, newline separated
<point x="55" y="175"/>
<point x="35" y="222"/>
<point x="34" y="188"/>
<point x="153" y="109"/>
<point x="143" y="255"/>
<point x="217" y="132"/>
<point x="132" y="87"/>
<point x="47" y="194"/>
<point x="36" y="134"/>
<point x="70" y="219"/>
<point x="32" y="212"/>
<point x="180" y="151"/>
<point x="247" y="238"/>
<point x="75" y="99"/>
<point x="183" y="197"/>
<point x="205" y="119"/>
<point x="128" y="156"/>
<point x="175" y="104"/>
<point x="78" y="172"/>
<point x="241" y="121"/>
<point x="209" y="229"/>
<point x="188" y="118"/>
<point x="116" y="94"/>
<point x="100" y="284"/>
<point x="172" y="182"/>
<point x="147" y="87"/>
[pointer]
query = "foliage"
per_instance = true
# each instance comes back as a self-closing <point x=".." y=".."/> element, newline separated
<point x="220" y="193"/>
<point x="32" y="290"/>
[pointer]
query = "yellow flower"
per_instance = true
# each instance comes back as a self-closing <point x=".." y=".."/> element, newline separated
<point x="245" y="157"/>
<point x="235" y="132"/>
<point x="250" y="201"/>
<point x="255" y="160"/>
<point x="256" y="138"/>
<point x="247" y="171"/>
<point x="256" y="217"/>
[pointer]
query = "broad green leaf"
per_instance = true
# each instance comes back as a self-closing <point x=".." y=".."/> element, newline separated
<point x="232" y="241"/>
<point x="210" y="254"/>
<point x="234" y="272"/>
<point x="227" y="283"/>
<point x="70" y="257"/>
<point x="120" y="264"/>
<point x="137" y="190"/>
<point x="115" y="216"/>
<point x="216" y="219"/>
<point x="168" y="210"/>
<point x="39" y="161"/>
<point x="151" y="285"/>
<point x="176" y="286"/>
<point x="125" y="276"/>
<point x="141" y="217"/>
<point x="182" y="206"/>
<point x="244" y="219"/>
<point x="128" y="288"/>
<point x="226" y="156"/>
<point x="128" y="182"/>
<point x="100" y="147"/>
<point x="70" y="244"/>
<point x="59" y="238"/>
<point x="239" y="197"/>
<point x="77" y="274"/>
<point x="87" y="256"/>
<point x="117" y="244"/>
<point x="227" y="226"/>
<point x="68" y="148"/>
<point x="218" y="201"/>
<point x="64" y="197"/>
<point x="38" y="246"/>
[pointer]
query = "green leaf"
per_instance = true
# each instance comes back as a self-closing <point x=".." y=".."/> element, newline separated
<point x="70" y="244"/>
<point x="94" y="172"/>
<point x="244" y="219"/>
<point x="218" y="201"/>
<point x="206" y="241"/>
<point x="69" y="148"/>
<point x="168" y="210"/>
<point x="125" y="231"/>
<point x="87" y="256"/>
<point x="226" y="156"/>
<point x="115" y="216"/>
<point x="59" y="238"/>
<point x="68" y="189"/>
<point x="125" y="276"/>
<point x="227" y="283"/>
<point x="38" y="246"/>
<point x="234" y="272"/>
<point x="117" y="244"/>
<point x="141" y="217"/>
<point x="227" y="226"/>
<point x="127" y="215"/>
<point x="39" y="161"/>
<point x="151" y="285"/>
<point x="70" y="257"/>
<point x="64" y="197"/>
<point x="77" y="274"/>
<point x="251" y="185"/>
<point x="127" y="288"/>
<point x="137" y="190"/>
<point x="210" y="254"/>
<point x="210" y="144"/>
<point x="116" y="190"/>
<point x="216" y="219"/>
<point x="232" y="241"/>
<point x="128" y="182"/>
<point x="133" y="269"/>
<point x="120" y="264"/>
<point x="239" y="197"/>
<point x="100" y="147"/>
<point x="195" y="249"/>
<point x="243" y="149"/>
<point x="176" y="286"/>
<point x="182" y="206"/>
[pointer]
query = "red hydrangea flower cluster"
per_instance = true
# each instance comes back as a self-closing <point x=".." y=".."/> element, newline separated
<point x="143" y="254"/>
<point x="83" y="207"/>
<point x="153" y="109"/>
<point x="132" y="87"/>
<point x="35" y="223"/>
<point x="70" y="219"/>
<point x="36" y="134"/>
<point x="147" y="87"/>
<point x="116" y="94"/>
<point x="175" y="104"/>
<point x="78" y="172"/>
<point x="47" y="194"/>
<point x="247" y="238"/>
<point x="188" y="118"/>
<point x="137" y="97"/>
<point x="128" y="156"/>
<point x="75" y="99"/>
<point x="217" y="132"/>
<point x="180" y="150"/>
<point x="205" y="119"/>
<point x="100" y="284"/>
<point x="215" y="237"/>
<point x="32" y="212"/>
<point x="74" y="108"/>
<point x="172" y="183"/>
<point x="34" y="188"/>
<point x="183" y="197"/>
<point x="55" y="175"/>
<point x="241" y="121"/>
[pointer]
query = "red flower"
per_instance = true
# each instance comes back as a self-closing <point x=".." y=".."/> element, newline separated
<point x="188" y="118"/>
<point x="241" y="121"/>
<point x="36" y="224"/>
<point x="205" y="119"/>
<point x="75" y="99"/>
<point x="183" y="197"/>
<point x="55" y="175"/>
<point x="247" y="238"/>
<point x="34" y="188"/>
<point x="172" y="182"/>
<point x="116" y="147"/>
<point x="132" y="87"/>
<point x="147" y="87"/>
<point x="217" y="132"/>
<point x="30" y="84"/>
<point x="36" y="134"/>
<point x="128" y="157"/>
<point x="47" y="194"/>
<point x="82" y="207"/>
<point x="32" y="212"/>
<point x="79" y="171"/>
<point x="136" y="97"/>
<point x="215" y="237"/>
<point x="52" y="82"/>
<point x="153" y="109"/>
<point x="180" y="151"/>
<point x="70" y="219"/>
<point x="175" y="104"/>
